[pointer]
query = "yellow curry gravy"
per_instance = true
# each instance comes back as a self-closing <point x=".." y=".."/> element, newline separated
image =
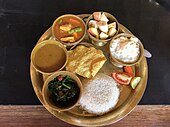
<point x="50" y="58"/>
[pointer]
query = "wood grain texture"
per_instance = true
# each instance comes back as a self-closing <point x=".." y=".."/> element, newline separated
<point x="38" y="116"/>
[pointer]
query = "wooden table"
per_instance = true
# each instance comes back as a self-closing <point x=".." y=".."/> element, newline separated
<point x="38" y="116"/>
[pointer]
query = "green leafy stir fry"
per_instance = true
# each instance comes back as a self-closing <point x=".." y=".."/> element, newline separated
<point x="64" y="90"/>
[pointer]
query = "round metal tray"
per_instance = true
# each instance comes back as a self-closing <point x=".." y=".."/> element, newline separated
<point x="127" y="101"/>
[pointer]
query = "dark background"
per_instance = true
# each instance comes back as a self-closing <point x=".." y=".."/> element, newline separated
<point x="22" y="22"/>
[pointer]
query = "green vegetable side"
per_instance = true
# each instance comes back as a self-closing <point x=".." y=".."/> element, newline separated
<point x="64" y="90"/>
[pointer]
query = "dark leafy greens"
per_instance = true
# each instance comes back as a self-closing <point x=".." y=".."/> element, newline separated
<point x="64" y="90"/>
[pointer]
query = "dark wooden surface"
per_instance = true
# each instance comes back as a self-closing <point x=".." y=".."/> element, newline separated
<point x="38" y="116"/>
<point x="22" y="22"/>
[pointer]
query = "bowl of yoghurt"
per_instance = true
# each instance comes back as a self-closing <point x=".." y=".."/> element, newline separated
<point x="125" y="50"/>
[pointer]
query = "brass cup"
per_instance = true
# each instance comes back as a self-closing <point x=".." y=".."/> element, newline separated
<point x="46" y="93"/>
<point x="119" y="63"/>
<point x="64" y="43"/>
<point x="39" y="46"/>
<point x="99" y="42"/>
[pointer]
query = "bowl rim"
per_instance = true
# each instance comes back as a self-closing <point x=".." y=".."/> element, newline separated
<point x="76" y="42"/>
<point x="119" y="62"/>
<point x="45" y="89"/>
<point x="104" y="40"/>
<point x="40" y="45"/>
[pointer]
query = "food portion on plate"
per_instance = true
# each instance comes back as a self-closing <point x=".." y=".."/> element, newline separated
<point x="122" y="77"/>
<point x="49" y="56"/>
<point x="69" y="29"/>
<point x="64" y="90"/>
<point x="126" y="49"/>
<point x="127" y="77"/>
<point x="102" y="26"/>
<point x="129" y="70"/>
<point x="85" y="61"/>
<point x="135" y="81"/>
<point x="100" y="94"/>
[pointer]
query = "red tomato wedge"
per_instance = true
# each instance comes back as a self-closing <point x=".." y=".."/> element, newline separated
<point x="129" y="70"/>
<point x="122" y="77"/>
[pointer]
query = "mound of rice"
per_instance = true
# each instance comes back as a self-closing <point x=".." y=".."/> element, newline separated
<point x="100" y="94"/>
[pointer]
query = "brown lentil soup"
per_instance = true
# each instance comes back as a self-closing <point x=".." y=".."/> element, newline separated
<point x="50" y="58"/>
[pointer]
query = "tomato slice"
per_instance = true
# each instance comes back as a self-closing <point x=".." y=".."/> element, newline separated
<point x="122" y="77"/>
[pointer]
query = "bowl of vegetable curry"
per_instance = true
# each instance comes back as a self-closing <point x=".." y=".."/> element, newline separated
<point x="69" y="29"/>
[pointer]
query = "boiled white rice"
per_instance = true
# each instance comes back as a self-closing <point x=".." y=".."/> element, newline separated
<point x="100" y="94"/>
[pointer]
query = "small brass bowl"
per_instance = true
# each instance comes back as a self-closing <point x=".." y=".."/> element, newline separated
<point x="46" y="93"/>
<point x="100" y="42"/>
<point x="45" y="43"/>
<point x="67" y="43"/>
<point x="118" y="63"/>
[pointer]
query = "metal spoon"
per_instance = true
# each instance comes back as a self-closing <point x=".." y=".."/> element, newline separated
<point x="147" y="54"/>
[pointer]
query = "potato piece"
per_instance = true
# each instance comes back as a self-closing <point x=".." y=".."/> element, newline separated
<point x="68" y="39"/>
<point x="104" y="18"/>
<point x="112" y="25"/>
<point x="112" y="32"/>
<point x="103" y="26"/>
<point x="97" y="16"/>
<point x="92" y="23"/>
<point x="65" y="27"/>
<point x="94" y="32"/>
<point x="103" y="36"/>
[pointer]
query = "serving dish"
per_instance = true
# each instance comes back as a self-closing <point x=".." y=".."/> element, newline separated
<point x="60" y="62"/>
<point x="46" y="92"/>
<point x="99" y="42"/>
<point x="118" y="62"/>
<point x="128" y="99"/>
<point x="55" y="28"/>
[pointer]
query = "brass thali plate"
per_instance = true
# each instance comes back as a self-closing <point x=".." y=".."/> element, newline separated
<point x="127" y="101"/>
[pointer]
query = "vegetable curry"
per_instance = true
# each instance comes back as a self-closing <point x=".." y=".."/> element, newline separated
<point x="69" y="29"/>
